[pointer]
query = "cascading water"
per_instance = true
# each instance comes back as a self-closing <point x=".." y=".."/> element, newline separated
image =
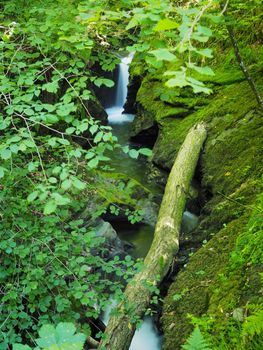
<point x="123" y="80"/>
<point x="115" y="113"/>
<point x="147" y="337"/>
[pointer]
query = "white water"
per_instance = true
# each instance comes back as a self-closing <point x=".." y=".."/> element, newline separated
<point x="146" y="338"/>
<point x="123" y="80"/>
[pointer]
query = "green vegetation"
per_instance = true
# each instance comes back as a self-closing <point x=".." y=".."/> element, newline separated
<point x="56" y="178"/>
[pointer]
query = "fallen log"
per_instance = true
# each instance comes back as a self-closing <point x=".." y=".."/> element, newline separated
<point x="121" y="327"/>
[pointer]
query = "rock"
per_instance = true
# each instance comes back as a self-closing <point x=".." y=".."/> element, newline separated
<point x="189" y="222"/>
<point x="115" y="246"/>
<point x="150" y="210"/>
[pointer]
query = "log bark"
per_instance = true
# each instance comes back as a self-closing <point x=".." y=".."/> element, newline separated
<point x="121" y="327"/>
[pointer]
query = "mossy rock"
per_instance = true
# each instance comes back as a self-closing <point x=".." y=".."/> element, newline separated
<point x="230" y="168"/>
<point x="194" y="285"/>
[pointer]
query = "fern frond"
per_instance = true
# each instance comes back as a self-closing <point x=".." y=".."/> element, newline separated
<point x="253" y="325"/>
<point x="196" y="341"/>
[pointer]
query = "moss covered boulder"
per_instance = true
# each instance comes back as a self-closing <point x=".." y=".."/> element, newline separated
<point x="211" y="285"/>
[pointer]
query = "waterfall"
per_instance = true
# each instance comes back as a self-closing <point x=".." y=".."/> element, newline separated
<point x="123" y="80"/>
<point x="115" y="113"/>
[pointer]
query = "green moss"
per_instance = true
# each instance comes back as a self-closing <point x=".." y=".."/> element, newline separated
<point x="199" y="279"/>
<point x="231" y="165"/>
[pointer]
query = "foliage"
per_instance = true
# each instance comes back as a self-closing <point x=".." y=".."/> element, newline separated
<point x="196" y="341"/>
<point x="53" y="267"/>
<point x="53" y="149"/>
<point x="172" y="41"/>
<point x="243" y="329"/>
<point x="62" y="337"/>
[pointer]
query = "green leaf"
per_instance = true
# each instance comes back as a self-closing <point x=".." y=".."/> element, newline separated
<point x="165" y="24"/>
<point x="5" y="153"/>
<point x="65" y="329"/>
<point x="133" y="23"/>
<point x="98" y="137"/>
<point x="64" y="142"/>
<point x="145" y="151"/>
<point x="32" y="196"/>
<point x="79" y="184"/>
<point x="163" y="55"/>
<point x="126" y="149"/>
<point x="205" y="52"/>
<point x="93" y="163"/>
<point x="52" y="180"/>
<point x="21" y="347"/>
<point x="2" y="171"/>
<point x="51" y="87"/>
<point x="133" y="153"/>
<point x="179" y="81"/>
<point x="29" y="143"/>
<point x="60" y="200"/>
<point x="66" y="184"/>
<point x="50" y="207"/>
<point x="198" y="86"/>
<point x="202" y="70"/>
<point x="93" y="129"/>
<point x="102" y="81"/>
<point x="196" y="341"/>
<point x="70" y="130"/>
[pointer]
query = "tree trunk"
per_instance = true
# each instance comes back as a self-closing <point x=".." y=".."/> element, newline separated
<point x="121" y="327"/>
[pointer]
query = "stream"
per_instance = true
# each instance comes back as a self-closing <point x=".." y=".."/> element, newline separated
<point x="147" y="337"/>
<point x="140" y="235"/>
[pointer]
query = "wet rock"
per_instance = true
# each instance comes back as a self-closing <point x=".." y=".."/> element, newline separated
<point x="150" y="209"/>
<point x="189" y="222"/>
<point x="114" y="245"/>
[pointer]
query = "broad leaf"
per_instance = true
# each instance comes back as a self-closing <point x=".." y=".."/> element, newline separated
<point x="163" y="55"/>
<point x="165" y="24"/>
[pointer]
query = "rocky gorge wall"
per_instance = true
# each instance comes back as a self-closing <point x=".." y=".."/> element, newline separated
<point x="229" y="173"/>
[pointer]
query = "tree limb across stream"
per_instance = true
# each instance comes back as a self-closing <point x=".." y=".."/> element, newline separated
<point x="165" y="245"/>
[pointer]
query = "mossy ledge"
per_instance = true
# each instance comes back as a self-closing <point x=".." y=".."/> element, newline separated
<point x="230" y="170"/>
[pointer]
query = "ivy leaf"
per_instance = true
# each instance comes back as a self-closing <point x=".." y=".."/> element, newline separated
<point x="50" y="207"/>
<point x="125" y="149"/>
<point x="165" y="24"/>
<point x="163" y="55"/>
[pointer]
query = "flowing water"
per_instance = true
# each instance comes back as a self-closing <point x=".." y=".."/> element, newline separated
<point x="147" y="337"/>
<point x="140" y="235"/>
